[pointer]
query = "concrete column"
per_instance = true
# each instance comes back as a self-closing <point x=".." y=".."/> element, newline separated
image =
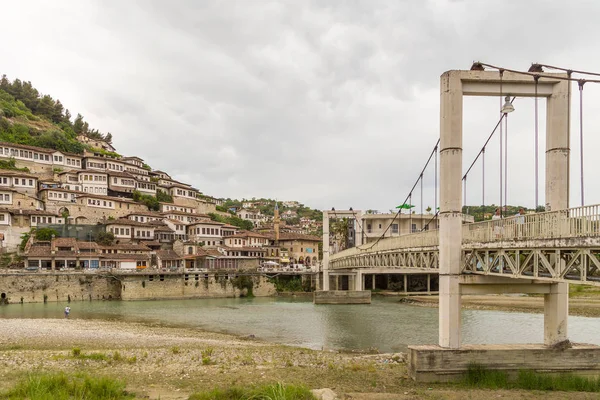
<point x="556" y="303"/>
<point x="40" y="264"/>
<point x="53" y="264"/>
<point x="337" y="282"/>
<point x="451" y="110"/>
<point x="325" y="251"/>
<point x="428" y="283"/>
<point x="358" y="281"/>
<point x="556" y="313"/>
<point x="374" y="282"/>
<point x="405" y="277"/>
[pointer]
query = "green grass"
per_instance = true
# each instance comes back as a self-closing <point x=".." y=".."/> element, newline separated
<point x="480" y="377"/>
<point x="63" y="387"/>
<point x="277" y="391"/>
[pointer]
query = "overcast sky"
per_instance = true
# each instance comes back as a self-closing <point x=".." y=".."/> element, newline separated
<point x="332" y="103"/>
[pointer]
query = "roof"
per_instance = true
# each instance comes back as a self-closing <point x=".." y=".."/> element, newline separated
<point x="126" y="246"/>
<point x="245" y="248"/>
<point x="59" y="190"/>
<point x="121" y="174"/>
<point x="71" y="171"/>
<point x="133" y="158"/>
<point x="146" y="214"/>
<point x="87" y="245"/>
<point x="64" y="242"/>
<point x="283" y="236"/>
<point x="167" y="255"/>
<point x="124" y="256"/>
<point x="127" y="221"/>
<point x="152" y="243"/>
<point x="207" y="222"/>
<point x="39" y="251"/>
<point x="176" y="212"/>
<point x="247" y="234"/>
<point x="15" y="211"/>
<point x="84" y="195"/>
<point x="8" y="172"/>
<point x="227" y="226"/>
<point x="23" y="146"/>
<point x="91" y="171"/>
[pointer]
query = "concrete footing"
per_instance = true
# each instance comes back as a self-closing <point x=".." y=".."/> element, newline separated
<point x="436" y="364"/>
<point x="342" y="297"/>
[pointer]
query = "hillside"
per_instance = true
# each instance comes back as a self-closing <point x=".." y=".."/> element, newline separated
<point x="481" y="213"/>
<point x="267" y="207"/>
<point x="30" y="118"/>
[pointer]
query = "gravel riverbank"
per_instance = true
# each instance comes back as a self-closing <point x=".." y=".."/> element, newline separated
<point x="171" y="363"/>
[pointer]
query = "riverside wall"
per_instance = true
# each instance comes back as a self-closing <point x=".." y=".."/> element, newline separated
<point x="64" y="287"/>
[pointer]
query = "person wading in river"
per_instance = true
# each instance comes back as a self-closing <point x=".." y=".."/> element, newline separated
<point x="67" y="311"/>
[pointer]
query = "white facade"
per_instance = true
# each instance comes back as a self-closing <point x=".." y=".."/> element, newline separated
<point x="93" y="182"/>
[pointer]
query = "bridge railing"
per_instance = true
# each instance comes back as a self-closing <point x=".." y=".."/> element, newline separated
<point x="572" y="222"/>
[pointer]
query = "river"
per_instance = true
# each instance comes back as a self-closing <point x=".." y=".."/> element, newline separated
<point x="385" y="325"/>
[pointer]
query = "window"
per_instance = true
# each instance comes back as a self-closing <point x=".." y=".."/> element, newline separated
<point x="394" y="228"/>
<point x="31" y="182"/>
<point x="414" y="228"/>
<point x="369" y="228"/>
<point x="6" y="197"/>
<point x="379" y="226"/>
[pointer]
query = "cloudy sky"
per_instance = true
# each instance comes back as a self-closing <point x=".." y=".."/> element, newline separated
<point x="332" y="103"/>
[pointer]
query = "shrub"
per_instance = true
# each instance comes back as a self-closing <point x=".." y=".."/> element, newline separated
<point x="64" y="387"/>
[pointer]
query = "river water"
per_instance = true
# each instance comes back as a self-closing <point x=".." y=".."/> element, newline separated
<point x="386" y="324"/>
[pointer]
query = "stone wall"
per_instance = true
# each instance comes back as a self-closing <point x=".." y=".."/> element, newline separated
<point x="35" y="287"/>
<point x="62" y="287"/>
<point x="43" y="171"/>
<point x="178" y="286"/>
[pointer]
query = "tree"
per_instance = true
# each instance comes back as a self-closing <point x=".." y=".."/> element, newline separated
<point x="67" y="117"/>
<point x="108" y="137"/>
<point x="78" y="124"/>
<point x="105" y="238"/>
<point x="340" y="230"/>
<point x="45" y="234"/>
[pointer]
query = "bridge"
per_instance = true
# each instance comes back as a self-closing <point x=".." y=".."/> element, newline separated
<point x="556" y="246"/>
<point x="538" y="253"/>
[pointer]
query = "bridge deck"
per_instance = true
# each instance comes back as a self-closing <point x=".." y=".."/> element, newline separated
<point x="556" y="246"/>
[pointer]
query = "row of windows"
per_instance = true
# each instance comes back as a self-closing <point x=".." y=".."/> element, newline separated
<point x="55" y="195"/>
<point x="207" y="231"/>
<point x="95" y="178"/>
<point x="95" y="202"/>
<point x="120" y="231"/>
<point x="182" y="209"/>
<point x="181" y="192"/>
<point x="115" y="167"/>
<point x="148" y="186"/>
<point x="91" y="164"/>
<point x="96" y="190"/>
<point x="41" y="220"/>
<point x="142" y="234"/>
<point x="5" y="198"/>
<point x="25" y="154"/>
<point x="124" y="182"/>
<point x="74" y="162"/>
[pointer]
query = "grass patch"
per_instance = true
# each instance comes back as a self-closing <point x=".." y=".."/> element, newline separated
<point x="277" y="391"/>
<point x="63" y="387"/>
<point x="480" y="377"/>
<point x="175" y="350"/>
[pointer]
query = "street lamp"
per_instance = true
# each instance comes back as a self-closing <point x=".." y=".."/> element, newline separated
<point x="507" y="107"/>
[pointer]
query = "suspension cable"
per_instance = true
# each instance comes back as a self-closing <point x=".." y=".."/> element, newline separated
<point x="568" y="70"/>
<point x="536" y="143"/>
<point x="506" y="160"/>
<point x="434" y="152"/>
<point x="435" y="178"/>
<point x="482" y="177"/>
<point x="501" y="144"/>
<point x="421" y="201"/>
<point x="581" y="83"/>
<point x="541" y="75"/>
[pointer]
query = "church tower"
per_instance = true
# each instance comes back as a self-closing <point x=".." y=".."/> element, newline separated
<point x="276" y="224"/>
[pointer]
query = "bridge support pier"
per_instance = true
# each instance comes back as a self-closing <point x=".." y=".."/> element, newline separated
<point x="556" y="314"/>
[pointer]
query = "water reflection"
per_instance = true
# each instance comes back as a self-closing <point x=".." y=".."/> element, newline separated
<point x="386" y="324"/>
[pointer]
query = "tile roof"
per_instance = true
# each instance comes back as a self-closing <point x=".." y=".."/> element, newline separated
<point x="126" y="246"/>
<point x="8" y="172"/>
<point x="64" y="242"/>
<point x="23" y="146"/>
<point x="167" y="255"/>
<point x="127" y="221"/>
<point x="124" y="256"/>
